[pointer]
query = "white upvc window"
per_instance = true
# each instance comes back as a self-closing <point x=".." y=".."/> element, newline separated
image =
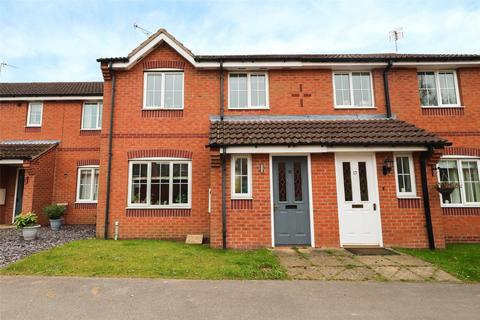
<point x="163" y="90"/>
<point x="465" y="172"/>
<point x="405" y="176"/>
<point x="241" y="177"/>
<point x="35" y="114"/>
<point x="353" y="89"/>
<point x="160" y="183"/>
<point x="92" y="116"/>
<point x="87" y="184"/>
<point x="248" y="90"/>
<point x="438" y="89"/>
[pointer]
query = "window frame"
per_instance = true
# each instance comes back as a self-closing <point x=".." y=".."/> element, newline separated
<point x="162" y="91"/>
<point x="413" y="193"/>
<point x="249" y="194"/>
<point x="149" y="162"/>
<point x="99" y="115"/>
<point x="249" y="91"/>
<point x="459" y="160"/>
<point x="352" y="106"/>
<point x="92" y="169"/>
<point x="29" y="124"/>
<point x="437" y="89"/>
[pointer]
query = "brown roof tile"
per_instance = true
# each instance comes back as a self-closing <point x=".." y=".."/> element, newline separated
<point x="320" y="132"/>
<point x="44" y="89"/>
<point x="24" y="150"/>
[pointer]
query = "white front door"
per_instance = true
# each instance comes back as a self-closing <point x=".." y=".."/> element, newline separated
<point x="358" y="207"/>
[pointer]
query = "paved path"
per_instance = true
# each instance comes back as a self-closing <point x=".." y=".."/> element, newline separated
<point x="339" y="264"/>
<point x="96" y="298"/>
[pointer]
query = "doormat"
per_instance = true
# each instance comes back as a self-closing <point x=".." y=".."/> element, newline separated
<point x="371" y="251"/>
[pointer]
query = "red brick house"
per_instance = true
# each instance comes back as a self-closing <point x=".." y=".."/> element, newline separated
<point x="253" y="150"/>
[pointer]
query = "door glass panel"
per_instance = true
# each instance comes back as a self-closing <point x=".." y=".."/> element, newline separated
<point x="362" y="172"/>
<point x="297" y="180"/>
<point x="282" y="182"/>
<point x="347" y="181"/>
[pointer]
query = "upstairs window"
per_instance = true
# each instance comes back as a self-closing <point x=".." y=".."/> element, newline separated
<point x="241" y="177"/>
<point x="438" y="89"/>
<point x="404" y="171"/>
<point x="92" y="116"/>
<point x="353" y="89"/>
<point x="466" y="175"/>
<point x="87" y="184"/>
<point x="35" y="114"/>
<point x="160" y="183"/>
<point x="248" y="91"/>
<point x="163" y="90"/>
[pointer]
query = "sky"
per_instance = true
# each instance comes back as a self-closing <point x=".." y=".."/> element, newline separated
<point x="60" y="40"/>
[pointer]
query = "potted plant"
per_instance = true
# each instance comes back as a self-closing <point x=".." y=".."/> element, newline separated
<point x="446" y="188"/>
<point x="27" y="222"/>
<point x="54" y="213"/>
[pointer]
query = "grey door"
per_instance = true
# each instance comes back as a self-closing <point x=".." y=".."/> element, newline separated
<point x="19" y="192"/>
<point x="291" y="202"/>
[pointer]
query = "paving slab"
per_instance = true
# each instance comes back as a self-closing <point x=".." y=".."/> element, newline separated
<point x="404" y="274"/>
<point x="356" y="274"/>
<point x="387" y="271"/>
<point x="407" y="260"/>
<point x="324" y="261"/>
<point x="375" y="261"/>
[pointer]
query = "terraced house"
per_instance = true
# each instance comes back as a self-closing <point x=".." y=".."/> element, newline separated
<point x="253" y="150"/>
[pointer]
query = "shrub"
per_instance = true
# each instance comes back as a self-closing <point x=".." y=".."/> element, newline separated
<point x="28" y="219"/>
<point x="54" y="211"/>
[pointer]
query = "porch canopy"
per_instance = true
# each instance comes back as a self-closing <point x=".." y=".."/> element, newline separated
<point x="16" y="151"/>
<point x="327" y="132"/>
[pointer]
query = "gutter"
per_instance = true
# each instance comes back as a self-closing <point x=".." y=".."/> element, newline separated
<point x="385" y="86"/>
<point x="109" y="163"/>
<point x="224" y="163"/>
<point x="426" y="198"/>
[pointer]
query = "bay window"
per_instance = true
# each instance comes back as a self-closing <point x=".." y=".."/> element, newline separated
<point x="353" y="90"/>
<point x="163" y="90"/>
<point x="248" y="90"/>
<point x="87" y="184"/>
<point x="438" y="89"/>
<point x="159" y="183"/>
<point x="241" y="177"/>
<point x="466" y="175"/>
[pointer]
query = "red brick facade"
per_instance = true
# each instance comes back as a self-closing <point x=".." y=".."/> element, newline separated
<point x="139" y="133"/>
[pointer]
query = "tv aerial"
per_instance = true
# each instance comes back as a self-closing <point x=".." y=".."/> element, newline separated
<point x="145" y="31"/>
<point x="396" y="35"/>
<point x="3" y="64"/>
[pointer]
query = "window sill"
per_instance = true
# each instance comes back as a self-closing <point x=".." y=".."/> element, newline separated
<point x="161" y="108"/>
<point x="408" y="197"/>
<point x="86" y="202"/>
<point x="250" y="108"/>
<point x="157" y="207"/>
<point x="353" y="108"/>
<point x="461" y="206"/>
<point x="96" y="129"/>
<point x="241" y="198"/>
<point x="32" y="126"/>
<point x="442" y="107"/>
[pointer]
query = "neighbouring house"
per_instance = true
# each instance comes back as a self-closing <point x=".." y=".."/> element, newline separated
<point x="253" y="151"/>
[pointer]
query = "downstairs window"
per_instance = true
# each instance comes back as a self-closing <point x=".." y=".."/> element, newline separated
<point x="464" y="173"/>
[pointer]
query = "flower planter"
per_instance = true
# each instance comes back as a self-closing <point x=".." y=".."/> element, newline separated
<point x="55" y="224"/>
<point x="30" y="233"/>
<point x="446" y="189"/>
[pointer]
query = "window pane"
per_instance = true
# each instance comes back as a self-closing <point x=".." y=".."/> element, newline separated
<point x="297" y="180"/>
<point x="165" y="184"/>
<point x="342" y="89"/>
<point x="90" y="113"/>
<point x="154" y="90"/>
<point x="241" y="175"/>
<point x="403" y="174"/>
<point x="155" y="184"/>
<point x="35" y="114"/>
<point x="95" y="184"/>
<point x="362" y="176"/>
<point x="258" y="90"/>
<point x="139" y="183"/>
<point x="471" y="181"/>
<point x="238" y="91"/>
<point x="173" y="90"/>
<point x="427" y="89"/>
<point x="361" y="89"/>
<point x="347" y="181"/>
<point x="282" y="182"/>
<point x="447" y="87"/>
<point x="448" y="172"/>
<point x="180" y="183"/>
<point x="85" y="184"/>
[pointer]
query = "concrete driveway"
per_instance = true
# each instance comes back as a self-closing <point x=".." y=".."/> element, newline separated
<point x="339" y="264"/>
<point x="95" y="298"/>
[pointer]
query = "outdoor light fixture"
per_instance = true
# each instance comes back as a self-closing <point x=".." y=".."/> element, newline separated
<point x="262" y="168"/>
<point x="387" y="166"/>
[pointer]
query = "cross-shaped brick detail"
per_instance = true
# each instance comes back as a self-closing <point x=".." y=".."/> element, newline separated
<point x="301" y="95"/>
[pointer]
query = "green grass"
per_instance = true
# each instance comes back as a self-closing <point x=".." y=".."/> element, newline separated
<point x="460" y="260"/>
<point x="148" y="259"/>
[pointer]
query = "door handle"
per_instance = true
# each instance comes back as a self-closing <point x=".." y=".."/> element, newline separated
<point x="374" y="207"/>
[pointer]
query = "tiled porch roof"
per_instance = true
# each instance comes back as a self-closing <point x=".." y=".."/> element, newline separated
<point x="24" y="150"/>
<point x="45" y="89"/>
<point x="361" y="132"/>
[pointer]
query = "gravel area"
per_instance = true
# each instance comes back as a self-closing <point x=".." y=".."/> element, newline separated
<point x="13" y="247"/>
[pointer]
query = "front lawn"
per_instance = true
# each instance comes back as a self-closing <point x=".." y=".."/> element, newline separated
<point x="148" y="259"/>
<point x="461" y="260"/>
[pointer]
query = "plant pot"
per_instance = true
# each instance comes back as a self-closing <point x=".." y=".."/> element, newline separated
<point x="30" y="233"/>
<point x="55" y="224"/>
<point x="445" y="191"/>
